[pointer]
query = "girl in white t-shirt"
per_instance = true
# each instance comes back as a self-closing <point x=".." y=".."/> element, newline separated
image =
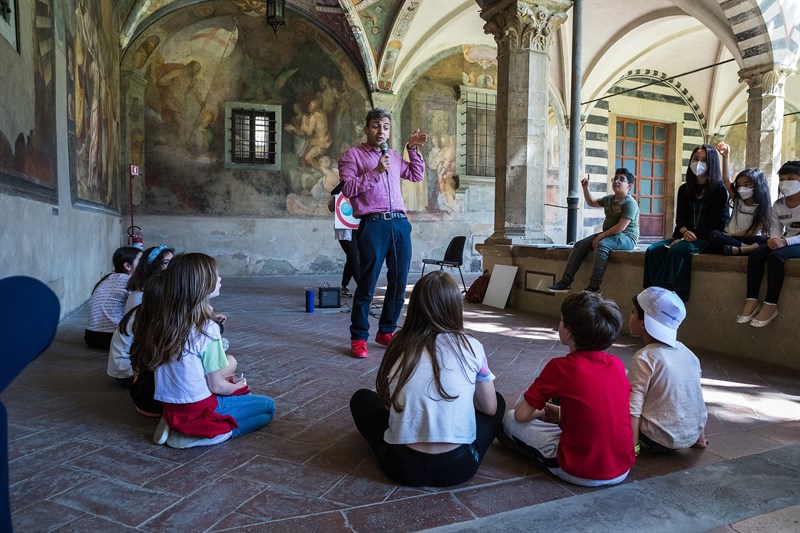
<point x="750" y="203"/>
<point x="107" y="302"/>
<point x="783" y="244"/>
<point x="176" y="337"/>
<point x="436" y="411"/>
<point x="153" y="261"/>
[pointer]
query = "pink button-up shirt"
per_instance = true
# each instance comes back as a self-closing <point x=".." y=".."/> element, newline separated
<point x="373" y="192"/>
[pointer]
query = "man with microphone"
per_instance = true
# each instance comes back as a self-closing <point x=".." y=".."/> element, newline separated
<point x="371" y="175"/>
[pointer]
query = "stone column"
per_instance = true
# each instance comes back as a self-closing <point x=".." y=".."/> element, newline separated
<point x="524" y="31"/>
<point x="765" y="118"/>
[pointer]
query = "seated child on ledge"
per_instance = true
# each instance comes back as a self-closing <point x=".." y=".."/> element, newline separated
<point x="667" y="409"/>
<point x="587" y="440"/>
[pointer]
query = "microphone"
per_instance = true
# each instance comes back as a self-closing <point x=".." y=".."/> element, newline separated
<point x="384" y="148"/>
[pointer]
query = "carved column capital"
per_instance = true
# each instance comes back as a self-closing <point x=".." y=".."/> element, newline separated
<point x="524" y="24"/>
<point x="766" y="80"/>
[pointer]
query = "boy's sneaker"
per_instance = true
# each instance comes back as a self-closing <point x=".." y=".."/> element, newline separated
<point x="359" y="349"/>
<point x="559" y="287"/>
<point x="383" y="338"/>
<point x="161" y="434"/>
<point x="592" y="289"/>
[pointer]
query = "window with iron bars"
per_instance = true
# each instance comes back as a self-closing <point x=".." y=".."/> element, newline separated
<point x="476" y="131"/>
<point x="252" y="136"/>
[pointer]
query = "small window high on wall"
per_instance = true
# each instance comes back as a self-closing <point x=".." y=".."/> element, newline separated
<point x="8" y="21"/>
<point x="476" y="133"/>
<point x="252" y="136"/>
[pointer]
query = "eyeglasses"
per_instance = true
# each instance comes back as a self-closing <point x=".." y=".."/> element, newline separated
<point x="620" y="179"/>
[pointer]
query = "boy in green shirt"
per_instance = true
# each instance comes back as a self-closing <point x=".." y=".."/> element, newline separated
<point x="620" y="231"/>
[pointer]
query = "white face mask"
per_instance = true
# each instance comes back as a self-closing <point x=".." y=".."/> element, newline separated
<point x="698" y="167"/>
<point x="789" y="187"/>
<point x="745" y="192"/>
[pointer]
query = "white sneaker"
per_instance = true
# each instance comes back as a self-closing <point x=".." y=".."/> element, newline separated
<point x="162" y="432"/>
<point x="181" y="441"/>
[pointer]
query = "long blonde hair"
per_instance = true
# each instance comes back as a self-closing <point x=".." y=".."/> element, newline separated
<point x="168" y="316"/>
<point x="435" y="308"/>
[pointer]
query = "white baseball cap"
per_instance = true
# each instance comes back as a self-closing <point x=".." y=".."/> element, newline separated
<point x="663" y="313"/>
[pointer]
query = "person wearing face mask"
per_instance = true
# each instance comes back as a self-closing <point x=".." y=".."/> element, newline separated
<point x="750" y="205"/>
<point x="702" y="206"/>
<point x="783" y="244"/>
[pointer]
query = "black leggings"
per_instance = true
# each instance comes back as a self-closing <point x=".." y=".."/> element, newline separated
<point x="351" y="265"/>
<point x="412" y="468"/>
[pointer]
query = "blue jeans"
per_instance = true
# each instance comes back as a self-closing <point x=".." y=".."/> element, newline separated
<point x="671" y="268"/>
<point x="378" y="241"/>
<point x="620" y="241"/>
<point x="251" y="411"/>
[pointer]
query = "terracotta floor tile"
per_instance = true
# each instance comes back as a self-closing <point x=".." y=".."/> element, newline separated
<point x="784" y="432"/>
<point x="201" y="471"/>
<point x="505" y="496"/>
<point x="731" y="445"/>
<point x="206" y="506"/>
<point x="44" y="515"/>
<point x="115" y="501"/>
<point x="90" y="524"/>
<point x="412" y="514"/>
<point x="319" y="523"/>
<point x="42" y="486"/>
<point x="50" y="457"/>
<point x="270" y="505"/>
<point x="136" y="469"/>
<point x="292" y="477"/>
<point x="344" y="454"/>
<point x="366" y="484"/>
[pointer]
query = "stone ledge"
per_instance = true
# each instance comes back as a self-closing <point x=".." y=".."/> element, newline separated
<point x="717" y="295"/>
<point x="707" y="262"/>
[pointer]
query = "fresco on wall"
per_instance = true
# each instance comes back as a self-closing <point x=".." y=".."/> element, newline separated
<point x="431" y="105"/>
<point x="211" y="60"/>
<point x="92" y="123"/>
<point x="28" y="158"/>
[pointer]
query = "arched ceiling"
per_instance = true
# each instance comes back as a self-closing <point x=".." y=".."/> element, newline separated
<point x="390" y="39"/>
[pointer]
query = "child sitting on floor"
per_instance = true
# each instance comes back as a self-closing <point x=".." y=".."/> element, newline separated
<point x="436" y="411"/>
<point x="107" y="302"/>
<point x="176" y="337"/>
<point x="587" y="440"/>
<point x="667" y="409"/>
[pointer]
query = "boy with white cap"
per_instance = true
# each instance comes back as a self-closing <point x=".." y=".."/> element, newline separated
<point x="667" y="408"/>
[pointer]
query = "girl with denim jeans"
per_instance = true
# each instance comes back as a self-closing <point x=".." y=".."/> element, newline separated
<point x="176" y="337"/>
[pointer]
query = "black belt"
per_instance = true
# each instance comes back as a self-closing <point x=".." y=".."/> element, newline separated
<point x="388" y="215"/>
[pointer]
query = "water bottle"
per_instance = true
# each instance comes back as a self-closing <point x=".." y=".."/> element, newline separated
<point x="309" y="300"/>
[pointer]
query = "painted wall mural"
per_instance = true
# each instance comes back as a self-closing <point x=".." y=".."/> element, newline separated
<point x="431" y="105"/>
<point x="92" y="103"/>
<point x="28" y="158"/>
<point x="194" y="64"/>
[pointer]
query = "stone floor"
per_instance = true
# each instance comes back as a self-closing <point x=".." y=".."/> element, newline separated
<point x="81" y="459"/>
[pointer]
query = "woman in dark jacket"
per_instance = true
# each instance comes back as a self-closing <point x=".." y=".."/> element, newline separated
<point x="702" y="207"/>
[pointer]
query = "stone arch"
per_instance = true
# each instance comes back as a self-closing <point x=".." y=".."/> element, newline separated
<point x="746" y="20"/>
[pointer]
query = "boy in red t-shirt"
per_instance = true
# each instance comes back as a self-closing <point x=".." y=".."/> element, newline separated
<point x="587" y="439"/>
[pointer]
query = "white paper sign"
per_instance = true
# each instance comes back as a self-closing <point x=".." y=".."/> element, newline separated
<point x="343" y="214"/>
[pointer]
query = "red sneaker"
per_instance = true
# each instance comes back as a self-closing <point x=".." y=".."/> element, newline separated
<point x="359" y="349"/>
<point x="383" y="338"/>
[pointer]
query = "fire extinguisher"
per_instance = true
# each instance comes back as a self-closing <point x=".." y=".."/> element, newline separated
<point x="135" y="237"/>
